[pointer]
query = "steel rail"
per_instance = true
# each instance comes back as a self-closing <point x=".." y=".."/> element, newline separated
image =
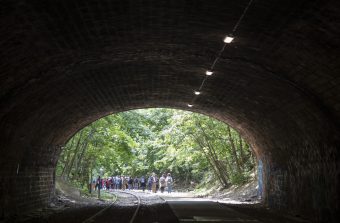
<point x="138" y="205"/>
<point x="91" y="219"/>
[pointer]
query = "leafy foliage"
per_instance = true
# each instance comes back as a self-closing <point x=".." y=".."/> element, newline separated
<point x="138" y="142"/>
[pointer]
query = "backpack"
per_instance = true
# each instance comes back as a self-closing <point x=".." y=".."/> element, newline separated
<point x="169" y="179"/>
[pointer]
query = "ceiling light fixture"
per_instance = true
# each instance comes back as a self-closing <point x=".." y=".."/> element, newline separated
<point x="228" y="39"/>
<point x="209" y="72"/>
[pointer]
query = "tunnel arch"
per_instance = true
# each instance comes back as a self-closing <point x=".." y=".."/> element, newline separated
<point x="68" y="63"/>
<point x="126" y="123"/>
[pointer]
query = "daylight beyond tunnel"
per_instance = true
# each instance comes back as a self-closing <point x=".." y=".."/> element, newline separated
<point x="67" y="63"/>
<point x="120" y="151"/>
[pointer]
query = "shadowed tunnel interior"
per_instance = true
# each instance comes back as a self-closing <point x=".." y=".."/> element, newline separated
<point x="65" y="64"/>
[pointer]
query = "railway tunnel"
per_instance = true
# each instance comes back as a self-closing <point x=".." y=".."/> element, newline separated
<point x="65" y="64"/>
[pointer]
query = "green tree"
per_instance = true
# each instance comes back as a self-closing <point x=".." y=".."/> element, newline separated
<point x="138" y="142"/>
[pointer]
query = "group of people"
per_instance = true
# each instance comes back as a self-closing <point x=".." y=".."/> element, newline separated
<point x="152" y="183"/>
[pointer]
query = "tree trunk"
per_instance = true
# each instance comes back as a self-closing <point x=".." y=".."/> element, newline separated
<point x="68" y="155"/>
<point x="233" y="149"/>
<point x="241" y="150"/>
<point x="83" y="149"/>
<point x="221" y="170"/>
<point x="74" y="155"/>
<point x="208" y="159"/>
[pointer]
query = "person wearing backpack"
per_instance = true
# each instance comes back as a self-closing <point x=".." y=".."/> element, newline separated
<point x="162" y="183"/>
<point x="142" y="183"/>
<point x="118" y="183"/>
<point x="136" y="183"/>
<point x="130" y="183"/>
<point x="150" y="183"/>
<point x="113" y="182"/>
<point x="169" y="181"/>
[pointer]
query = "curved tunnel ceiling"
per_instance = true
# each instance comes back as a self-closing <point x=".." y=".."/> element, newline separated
<point x="68" y="63"/>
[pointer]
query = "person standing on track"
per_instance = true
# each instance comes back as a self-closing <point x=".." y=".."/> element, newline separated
<point x="154" y="183"/>
<point x="162" y="183"/>
<point x="136" y="183"/>
<point x="124" y="183"/>
<point x="113" y="182"/>
<point x="149" y="183"/>
<point x="169" y="181"/>
<point x="130" y="183"/>
<point x="143" y="183"/>
<point x="99" y="184"/>
<point x="108" y="183"/>
<point x="157" y="183"/>
<point x="120" y="183"/>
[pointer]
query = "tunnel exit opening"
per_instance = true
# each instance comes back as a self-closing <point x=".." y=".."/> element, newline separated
<point x="201" y="154"/>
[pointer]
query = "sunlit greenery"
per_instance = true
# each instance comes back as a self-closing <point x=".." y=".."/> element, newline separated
<point x="191" y="146"/>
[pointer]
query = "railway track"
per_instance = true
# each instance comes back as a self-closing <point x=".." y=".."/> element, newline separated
<point x="92" y="218"/>
<point x="137" y="202"/>
<point x="118" y="194"/>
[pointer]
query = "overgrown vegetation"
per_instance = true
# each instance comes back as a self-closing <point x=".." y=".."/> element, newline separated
<point x="191" y="146"/>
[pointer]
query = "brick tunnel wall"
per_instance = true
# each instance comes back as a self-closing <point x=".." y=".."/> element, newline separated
<point x="29" y="184"/>
<point x="28" y="190"/>
<point x="67" y="63"/>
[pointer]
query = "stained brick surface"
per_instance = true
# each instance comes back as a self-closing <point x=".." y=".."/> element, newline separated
<point x="67" y="63"/>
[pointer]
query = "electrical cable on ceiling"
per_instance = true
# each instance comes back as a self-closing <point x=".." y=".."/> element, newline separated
<point x="227" y="40"/>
